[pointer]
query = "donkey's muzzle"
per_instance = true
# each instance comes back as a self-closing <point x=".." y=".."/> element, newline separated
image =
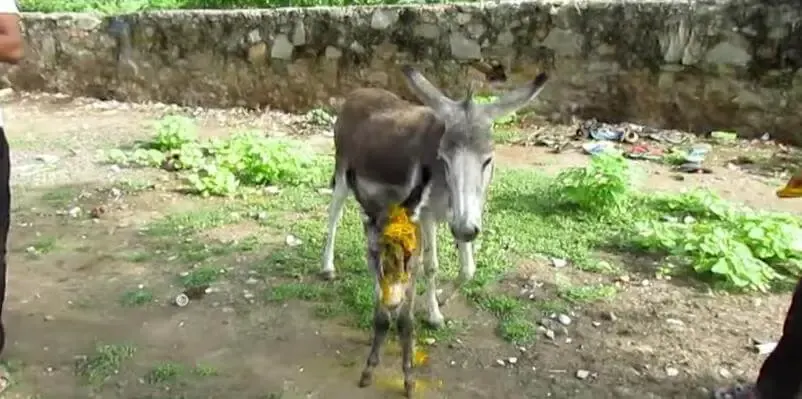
<point x="465" y="233"/>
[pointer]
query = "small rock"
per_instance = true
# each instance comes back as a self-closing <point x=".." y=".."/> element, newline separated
<point x="724" y="373"/>
<point x="74" y="212"/>
<point x="564" y="319"/>
<point x="512" y="360"/>
<point x="48" y="317"/>
<point x="251" y="281"/>
<point x="582" y="374"/>
<point x="676" y="322"/>
<point x="558" y="263"/>
<point x="609" y="316"/>
<point x="596" y="323"/>
<point x="248" y="295"/>
<point x="292" y="240"/>
<point x="549" y="333"/>
<point x="672" y="372"/>
<point x="500" y="362"/>
<point x="48" y="159"/>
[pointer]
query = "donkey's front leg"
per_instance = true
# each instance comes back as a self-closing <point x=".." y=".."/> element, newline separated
<point x="467" y="268"/>
<point x="381" y="325"/>
<point x="430" y="265"/>
<point x="406" y="333"/>
<point x="381" y="317"/>
<point x="338" y="196"/>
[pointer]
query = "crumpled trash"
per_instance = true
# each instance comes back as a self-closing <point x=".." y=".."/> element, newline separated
<point x="644" y="152"/>
<point x="698" y="153"/>
<point x="598" y="147"/>
<point x="723" y="137"/>
<point x="606" y="132"/>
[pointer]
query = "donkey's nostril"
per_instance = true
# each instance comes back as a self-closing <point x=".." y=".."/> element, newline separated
<point x="465" y="233"/>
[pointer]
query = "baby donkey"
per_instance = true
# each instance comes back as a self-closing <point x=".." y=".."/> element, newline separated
<point x="394" y="238"/>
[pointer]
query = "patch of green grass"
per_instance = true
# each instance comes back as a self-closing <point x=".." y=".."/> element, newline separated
<point x="104" y="363"/>
<point x="187" y="223"/>
<point x="137" y="297"/>
<point x="295" y="290"/>
<point x="202" y="370"/>
<point x="136" y="256"/>
<point x="61" y="196"/>
<point x="224" y="167"/>
<point x="45" y="244"/>
<point x="587" y="293"/>
<point x="513" y="315"/>
<point x="201" y="277"/>
<point x="163" y="373"/>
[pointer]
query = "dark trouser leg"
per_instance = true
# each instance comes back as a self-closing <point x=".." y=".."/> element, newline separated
<point x="5" y="222"/>
<point x="780" y="376"/>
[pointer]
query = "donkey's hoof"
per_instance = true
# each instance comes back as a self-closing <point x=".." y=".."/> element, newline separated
<point x="328" y="275"/>
<point x="366" y="379"/>
<point x="409" y="388"/>
<point x="435" y="323"/>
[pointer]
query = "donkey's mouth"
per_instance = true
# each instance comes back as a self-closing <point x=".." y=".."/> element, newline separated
<point x="393" y="293"/>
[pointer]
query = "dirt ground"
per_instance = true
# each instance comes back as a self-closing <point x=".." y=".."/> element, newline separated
<point x="657" y="339"/>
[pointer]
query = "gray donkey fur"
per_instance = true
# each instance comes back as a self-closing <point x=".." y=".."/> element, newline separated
<point x="385" y="142"/>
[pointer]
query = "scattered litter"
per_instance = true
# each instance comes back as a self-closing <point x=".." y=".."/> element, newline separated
<point x="698" y="153"/>
<point x="724" y="137"/>
<point x="558" y="263"/>
<point x="582" y="374"/>
<point x="643" y="151"/>
<point x="598" y="147"/>
<point x="596" y="130"/>
<point x="181" y="300"/>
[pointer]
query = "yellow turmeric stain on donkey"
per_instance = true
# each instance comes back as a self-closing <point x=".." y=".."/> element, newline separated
<point x="400" y="240"/>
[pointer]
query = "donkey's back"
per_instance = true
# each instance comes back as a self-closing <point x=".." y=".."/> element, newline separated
<point x="381" y="136"/>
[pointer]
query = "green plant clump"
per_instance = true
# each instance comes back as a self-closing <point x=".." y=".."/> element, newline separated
<point x="602" y="186"/>
<point x="729" y="245"/>
<point x="221" y="166"/>
<point x="737" y="246"/>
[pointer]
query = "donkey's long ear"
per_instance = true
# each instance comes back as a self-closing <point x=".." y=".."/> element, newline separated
<point x="425" y="90"/>
<point x="513" y="100"/>
<point x="419" y="196"/>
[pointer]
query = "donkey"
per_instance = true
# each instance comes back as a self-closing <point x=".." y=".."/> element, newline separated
<point x="385" y="141"/>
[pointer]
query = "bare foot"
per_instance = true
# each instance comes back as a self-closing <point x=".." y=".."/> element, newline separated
<point x="747" y="391"/>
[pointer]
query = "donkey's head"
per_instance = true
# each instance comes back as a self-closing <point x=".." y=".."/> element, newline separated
<point x="466" y="148"/>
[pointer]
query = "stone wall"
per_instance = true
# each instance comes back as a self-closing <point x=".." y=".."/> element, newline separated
<point x="731" y="65"/>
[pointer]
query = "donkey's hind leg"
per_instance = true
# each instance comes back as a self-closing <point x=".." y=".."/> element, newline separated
<point x="338" y="197"/>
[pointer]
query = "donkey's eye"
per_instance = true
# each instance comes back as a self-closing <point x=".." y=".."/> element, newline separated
<point x="487" y="162"/>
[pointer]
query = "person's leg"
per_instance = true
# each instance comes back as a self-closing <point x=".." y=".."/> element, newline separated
<point x="780" y="376"/>
<point x="5" y="222"/>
